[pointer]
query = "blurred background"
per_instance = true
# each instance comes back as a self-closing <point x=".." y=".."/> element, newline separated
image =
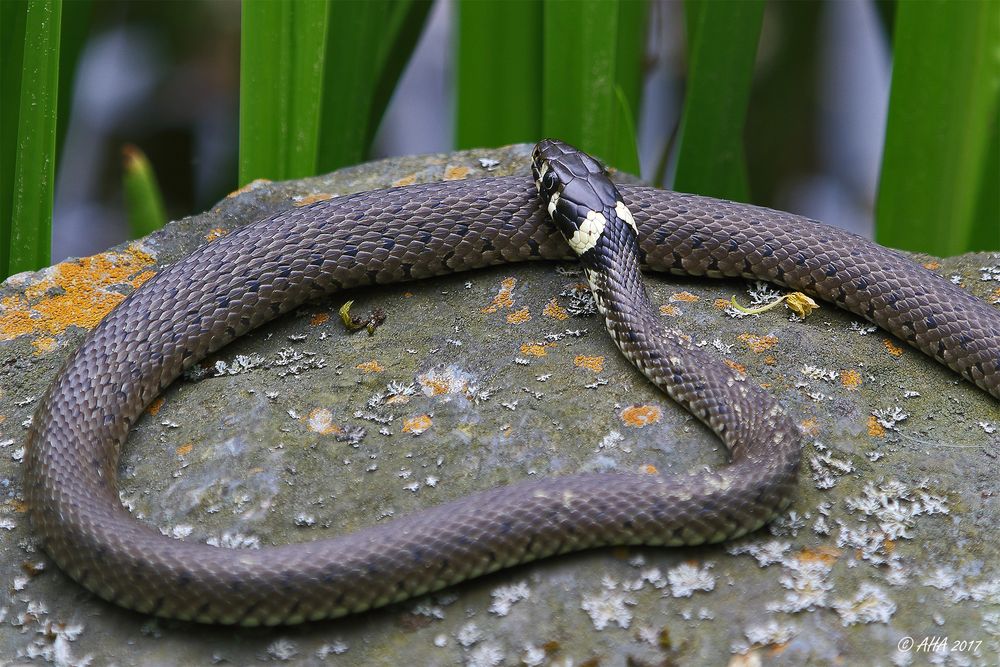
<point x="165" y="77"/>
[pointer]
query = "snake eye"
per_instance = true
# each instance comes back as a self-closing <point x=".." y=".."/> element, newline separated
<point x="549" y="181"/>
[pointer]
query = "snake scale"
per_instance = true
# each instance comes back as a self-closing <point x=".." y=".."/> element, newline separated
<point x="267" y="268"/>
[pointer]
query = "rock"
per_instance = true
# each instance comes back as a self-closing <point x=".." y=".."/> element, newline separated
<point x="301" y="430"/>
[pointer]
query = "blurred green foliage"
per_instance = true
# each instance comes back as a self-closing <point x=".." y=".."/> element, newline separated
<point x="316" y="77"/>
<point x="938" y="191"/>
<point x="143" y="200"/>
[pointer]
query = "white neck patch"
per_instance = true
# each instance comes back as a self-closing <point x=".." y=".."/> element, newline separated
<point x="587" y="236"/>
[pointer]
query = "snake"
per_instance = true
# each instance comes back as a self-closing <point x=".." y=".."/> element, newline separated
<point x="568" y="208"/>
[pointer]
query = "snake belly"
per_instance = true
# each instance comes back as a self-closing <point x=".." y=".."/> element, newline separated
<point x="270" y="267"/>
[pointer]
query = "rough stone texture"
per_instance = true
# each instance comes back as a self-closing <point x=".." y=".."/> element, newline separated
<point x="302" y="430"/>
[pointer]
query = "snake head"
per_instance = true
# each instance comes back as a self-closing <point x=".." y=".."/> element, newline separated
<point x="579" y="196"/>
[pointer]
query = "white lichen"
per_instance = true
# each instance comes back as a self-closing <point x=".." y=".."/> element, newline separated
<point x="608" y="606"/>
<point x="869" y="605"/>
<point x="807" y="584"/>
<point x="505" y="597"/>
<point x="685" y="579"/>
<point x="766" y="554"/>
<point x="282" y="649"/>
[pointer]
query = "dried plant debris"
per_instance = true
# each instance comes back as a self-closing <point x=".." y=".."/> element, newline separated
<point x="369" y="322"/>
<point x="764" y="297"/>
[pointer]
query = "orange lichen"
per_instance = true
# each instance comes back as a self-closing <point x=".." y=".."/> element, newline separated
<point x="319" y="318"/>
<point x="74" y="293"/>
<point x="641" y="415"/>
<point x="809" y="426"/>
<point x="739" y="368"/>
<point x="850" y="379"/>
<point x="758" y="343"/>
<point x="184" y="449"/>
<point x="519" y="316"/>
<point x="407" y="295"/>
<point x="555" y="311"/>
<point x="417" y="425"/>
<point x="455" y="173"/>
<point x="649" y="469"/>
<point x="686" y="297"/>
<point x="504" y="298"/>
<point x="406" y="180"/>
<point x="770" y="360"/>
<point x="154" y="407"/>
<point x="932" y="265"/>
<point x="370" y="367"/>
<point x="875" y="429"/>
<point x="892" y="348"/>
<point x="436" y="383"/>
<point x="721" y="304"/>
<point x="17" y="506"/>
<point x="44" y="344"/>
<point x="995" y="296"/>
<point x="320" y="421"/>
<point x="312" y="199"/>
<point x="667" y="309"/>
<point x="437" y="386"/>
<point x="825" y="555"/>
<point x="216" y="233"/>
<point x="595" y="364"/>
<point x="536" y="349"/>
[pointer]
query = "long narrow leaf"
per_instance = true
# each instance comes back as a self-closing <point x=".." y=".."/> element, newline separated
<point x="364" y="61"/>
<point x="499" y="72"/>
<point x="942" y="109"/>
<point x="626" y="148"/>
<point x="281" y="75"/>
<point x="34" y="171"/>
<point x="583" y="45"/>
<point x="143" y="200"/>
<point x="12" y="15"/>
<point x="722" y="46"/>
<point x="630" y="63"/>
<point x="986" y="224"/>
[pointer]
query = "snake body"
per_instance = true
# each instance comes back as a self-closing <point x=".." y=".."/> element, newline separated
<point x="262" y="270"/>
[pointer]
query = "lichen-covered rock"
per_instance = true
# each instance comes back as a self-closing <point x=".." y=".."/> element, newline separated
<point x="301" y="430"/>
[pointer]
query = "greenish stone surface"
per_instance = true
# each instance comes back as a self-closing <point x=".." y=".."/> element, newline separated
<point x="301" y="430"/>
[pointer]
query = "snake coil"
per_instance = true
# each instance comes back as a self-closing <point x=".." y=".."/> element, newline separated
<point x="262" y="270"/>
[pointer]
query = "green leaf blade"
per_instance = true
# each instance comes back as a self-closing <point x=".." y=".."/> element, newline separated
<point x="143" y="201"/>
<point x="498" y="73"/>
<point x="942" y="115"/>
<point x="723" y="39"/>
<point x="586" y="46"/>
<point x="34" y="170"/>
<point x="12" y="16"/>
<point x="363" y="65"/>
<point x="282" y="59"/>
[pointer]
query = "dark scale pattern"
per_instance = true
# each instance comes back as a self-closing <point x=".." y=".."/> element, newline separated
<point x="242" y="280"/>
